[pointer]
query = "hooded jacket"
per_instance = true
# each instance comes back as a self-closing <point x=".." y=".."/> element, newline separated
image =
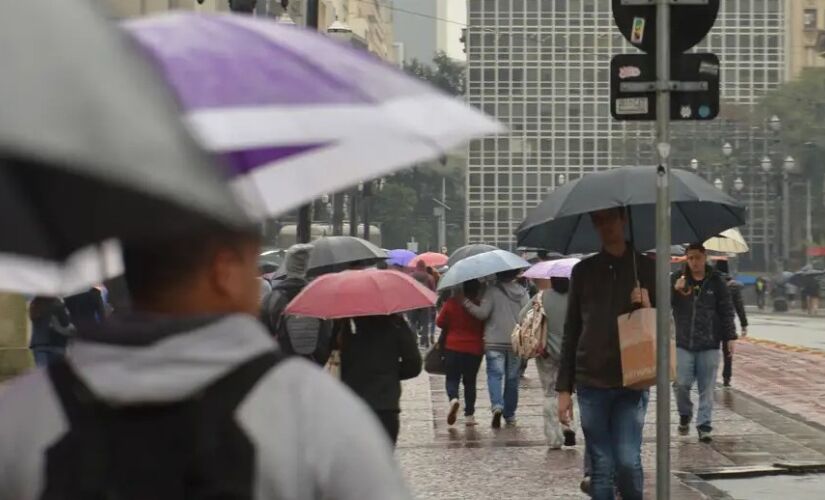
<point x="313" y="438"/>
<point x="704" y="317"/>
<point x="499" y="309"/>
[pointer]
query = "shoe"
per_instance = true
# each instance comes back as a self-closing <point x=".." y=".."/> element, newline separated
<point x="569" y="437"/>
<point x="726" y="383"/>
<point x="497" y="419"/>
<point x="510" y="422"/>
<point x="684" y="425"/>
<point x="470" y="421"/>
<point x="453" y="413"/>
<point x="585" y="485"/>
<point x="705" y="436"/>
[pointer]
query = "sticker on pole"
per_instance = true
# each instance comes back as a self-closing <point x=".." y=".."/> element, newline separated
<point x="637" y="35"/>
<point x="632" y="106"/>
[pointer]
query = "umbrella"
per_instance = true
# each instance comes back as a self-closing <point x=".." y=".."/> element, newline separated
<point x="481" y="265"/>
<point x="561" y="268"/>
<point x="400" y="257"/>
<point x="469" y="251"/>
<point x="802" y="277"/>
<point x="561" y="222"/>
<point x="337" y="253"/>
<point x="730" y="241"/>
<point x="368" y="292"/>
<point x="91" y="143"/>
<point x="432" y="259"/>
<point x="297" y="114"/>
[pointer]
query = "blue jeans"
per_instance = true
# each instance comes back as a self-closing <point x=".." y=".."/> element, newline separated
<point x="612" y="421"/>
<point x="462" y="367"/>
<point x="503" y="365"/>
<point x="588" y="466"/>
<point x="699" y="366"/>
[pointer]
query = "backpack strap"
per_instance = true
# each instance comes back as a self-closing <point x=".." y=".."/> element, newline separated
<point x="225" y="394"/>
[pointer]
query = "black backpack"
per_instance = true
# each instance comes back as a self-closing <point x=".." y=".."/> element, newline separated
<point x="192" y="449"/>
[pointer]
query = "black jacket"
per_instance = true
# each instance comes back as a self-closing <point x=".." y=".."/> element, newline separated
<point x="704" y="317"/>
<point x="735" y="289"/>
<point x="600" y="289"/>
<point x="376" y="357"/>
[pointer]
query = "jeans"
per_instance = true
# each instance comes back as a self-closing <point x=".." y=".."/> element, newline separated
<point x="699" y="366"/>
<point x="461" y="366"/>
<point x="588" y="466"/>
<point x="612" y="421"/>
<point x="503" y="365"/>
<point x="420" y="319"/>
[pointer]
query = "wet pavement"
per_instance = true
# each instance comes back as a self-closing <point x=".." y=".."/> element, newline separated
<point x="468" y="463"/>
<point x="800" y="331"/>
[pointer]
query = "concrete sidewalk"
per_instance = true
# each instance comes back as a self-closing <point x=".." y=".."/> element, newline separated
<point x="469" y="463"/>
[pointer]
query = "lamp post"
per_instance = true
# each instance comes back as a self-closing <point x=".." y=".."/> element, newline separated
<point x="694" y="164"/>
<point x="719" y="184"/>
<point x="788" y="167"/>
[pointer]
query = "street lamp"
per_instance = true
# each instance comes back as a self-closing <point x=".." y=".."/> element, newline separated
<point x="789" y="164"/>
<point x="561" y="180"/>
<point x="694" y="164"/>
<point x="718" y="184"/>
<point x="775" y="123"/>
<point x="738" y="184"/>
<point x="767" y="165"/>
<point x="727" y="150"/>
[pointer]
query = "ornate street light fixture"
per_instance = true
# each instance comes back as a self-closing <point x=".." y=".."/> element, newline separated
<point x="767" y="165"/>
<point x="694" y="164"/>
<point x="727" y="150"/>
<point x="789" y="164"/>
<point x="738" y="184"/>
<point x="718" y="184"/>
<point x="775" y="123"/>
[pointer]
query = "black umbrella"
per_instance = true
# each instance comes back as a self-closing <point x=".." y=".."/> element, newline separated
<point x="469" y="251"/>
<point x="91" y="143"/>
<point x="337" y="253"/>
<point x="806" y="275"/>
<point x="561" y="222"/>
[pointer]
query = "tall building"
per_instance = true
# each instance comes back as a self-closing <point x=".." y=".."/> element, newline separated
<point x="134" y="8"/>
<point x="541" y="67"/>
<point x="805" y="34"/>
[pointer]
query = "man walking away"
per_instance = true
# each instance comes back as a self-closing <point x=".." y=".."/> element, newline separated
<point x="499" y="309"/>
<point x="86" y="307"/>
<point x="761" y="292"/>
<point x="187" y="398"/>
<point x="51" y="329"/>
<point x="420" y="318"/>
<point x="703" y="313"/>
<point x="735" y="289"/>
<point x="611" y="283"/>
<point x="297" y="335"/>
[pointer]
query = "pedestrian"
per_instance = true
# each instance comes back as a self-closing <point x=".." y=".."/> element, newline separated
<point x="296" y="335"/>
<point x="51" y="329"/>
<point x="610" y="283"/>
<point x="421" y="318"/>
<point x="499" y="310"/>
<point x="431" y="320"/>
<point x="86" y="307"/>
<point x="703" y="313"/>
<point x="377" y="353"/>
<point x="813" y="290"/>
<point x="190" y="381"/>
<point x="791" y="291"/>
<point x="462" y="338"/>
<point x="735" y="289"/>
<point x="761" y="292"/>
<point x="553" y="295"/>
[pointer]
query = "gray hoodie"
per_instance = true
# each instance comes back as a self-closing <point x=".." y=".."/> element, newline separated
<point x="313" y="438"/>
<point x="499" y="309"/>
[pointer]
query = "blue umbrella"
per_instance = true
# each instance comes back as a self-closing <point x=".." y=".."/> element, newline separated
<point x="400" y="257"/>
<point x="481" y="265"/>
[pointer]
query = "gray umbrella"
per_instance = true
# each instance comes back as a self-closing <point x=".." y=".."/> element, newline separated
<point x="481" y="265"/>
<point x="469" y="251"/>
<point x="561" y="222"/>
<point x="336" y="253"/>
<point x="91" y="144"/>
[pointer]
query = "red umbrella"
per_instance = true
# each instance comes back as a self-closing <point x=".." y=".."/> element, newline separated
<point x="432" y="259"/>
<point x="368" y="292"/>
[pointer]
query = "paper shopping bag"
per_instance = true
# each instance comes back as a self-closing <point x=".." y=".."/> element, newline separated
<point x="637" y="341"/>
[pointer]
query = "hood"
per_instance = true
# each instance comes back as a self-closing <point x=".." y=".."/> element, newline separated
<point x="159" y="359"/>
<point x="513" y="290"/>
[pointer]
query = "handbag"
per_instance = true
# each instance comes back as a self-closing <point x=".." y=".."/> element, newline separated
<point x="434" y="358"/>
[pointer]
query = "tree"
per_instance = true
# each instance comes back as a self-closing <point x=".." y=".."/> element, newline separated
<point x="447" y="74"/>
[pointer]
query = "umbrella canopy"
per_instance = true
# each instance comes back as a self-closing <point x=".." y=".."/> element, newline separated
<point x="432" y="259"/>
<point x="481" y="265"/>
<point x="336" y="253"/>
<point x="729" y="241"/>
<point x="368" y="292"/>
<point x="294" y="112"/>
<point x="400" y="257"/>
<point x="805" y="275"/>
<point x="561" y="268"/>
<point x="562" y="222"/>
<point x="469" y="251"/>
<point x="91" y="143"/>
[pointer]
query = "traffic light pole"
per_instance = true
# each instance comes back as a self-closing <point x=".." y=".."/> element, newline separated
<point x="663" y="251"/>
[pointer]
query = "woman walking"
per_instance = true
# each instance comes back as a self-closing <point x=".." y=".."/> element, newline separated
<point x="462" y="338"/>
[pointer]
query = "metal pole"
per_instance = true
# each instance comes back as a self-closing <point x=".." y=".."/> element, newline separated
<point x="809" y="232"/>
<point x="338" y="214"/>
<point x="442" y="222"/>
<point x="366" y="208"/>
<point x="353" y="212"/>
<point x="663" y="251"/>
<point x="786" y="219"/>
<point x="767" y="247"/>
<point x="304" y="225"/>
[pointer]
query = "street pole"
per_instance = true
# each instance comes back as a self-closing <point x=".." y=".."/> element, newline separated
<point x="809" y="232"/>
<point x="663" y="251"/>
<point x="353" y="212"/>
<point x="767" y="247"/>
<point x="338" y="214"/>
<point x="786" y="220"/>
<point x="366" y="208"/>
<point x="303" y="230"/>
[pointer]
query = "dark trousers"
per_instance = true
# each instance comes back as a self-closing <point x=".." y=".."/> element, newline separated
<point x="462" y="367"/>
<point x="760" y="300"/>
<point x="727" y="359"/>
<point x="391" y="421"/>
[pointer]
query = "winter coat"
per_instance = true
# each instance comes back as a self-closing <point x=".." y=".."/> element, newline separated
<point x="499" y="309"/>
<point x="312" y="438"/>
<point x="704" y="318"/>
<point x="51" y="324"/>
<point x="464" y="332"/>
<point x="376" y="356"/>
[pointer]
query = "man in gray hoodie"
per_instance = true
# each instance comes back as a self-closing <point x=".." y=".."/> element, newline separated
<point x="499" y="309"/>
<point x="293" y="432"/>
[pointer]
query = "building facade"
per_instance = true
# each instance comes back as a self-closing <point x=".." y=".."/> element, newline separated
<point x="135" y="8"/>
<point x="541" y="67"/>
<point x="806" y="35"/>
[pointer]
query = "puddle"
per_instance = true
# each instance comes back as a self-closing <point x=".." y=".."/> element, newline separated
<point x="796" y="487"/>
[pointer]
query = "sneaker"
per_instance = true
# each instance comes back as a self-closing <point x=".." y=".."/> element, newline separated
<point x="726" y="383"/>
<point x="585" y="485"/>
<point x="496" y="419"/>
<point x="470" y="421"/>
<point x="510" y="422"/>
<point x="453" y="413"/>
<point x="569" y="437"/>
<point x="705" y="436"/>
<point x="684" y="425"/>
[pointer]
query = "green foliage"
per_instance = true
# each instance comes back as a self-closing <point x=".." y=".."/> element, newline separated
<point x="446" y="74"/>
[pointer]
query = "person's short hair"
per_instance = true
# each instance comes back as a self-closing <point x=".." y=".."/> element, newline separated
<point x="471" y="289"/>
<point x="560" y="285"/>
<point x="695" y="246"/>
<point x="508" y="275"/>
<point x="155" y="266"/>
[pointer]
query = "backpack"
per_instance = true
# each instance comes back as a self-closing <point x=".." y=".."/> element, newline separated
<point x="297" y="335"/>
<point x="529" y="337"/>
<point x="190" y="449"/>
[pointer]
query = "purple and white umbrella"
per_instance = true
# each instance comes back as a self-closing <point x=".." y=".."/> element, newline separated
<point x="297" y="113"/>
<point x="560" y="268"/>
